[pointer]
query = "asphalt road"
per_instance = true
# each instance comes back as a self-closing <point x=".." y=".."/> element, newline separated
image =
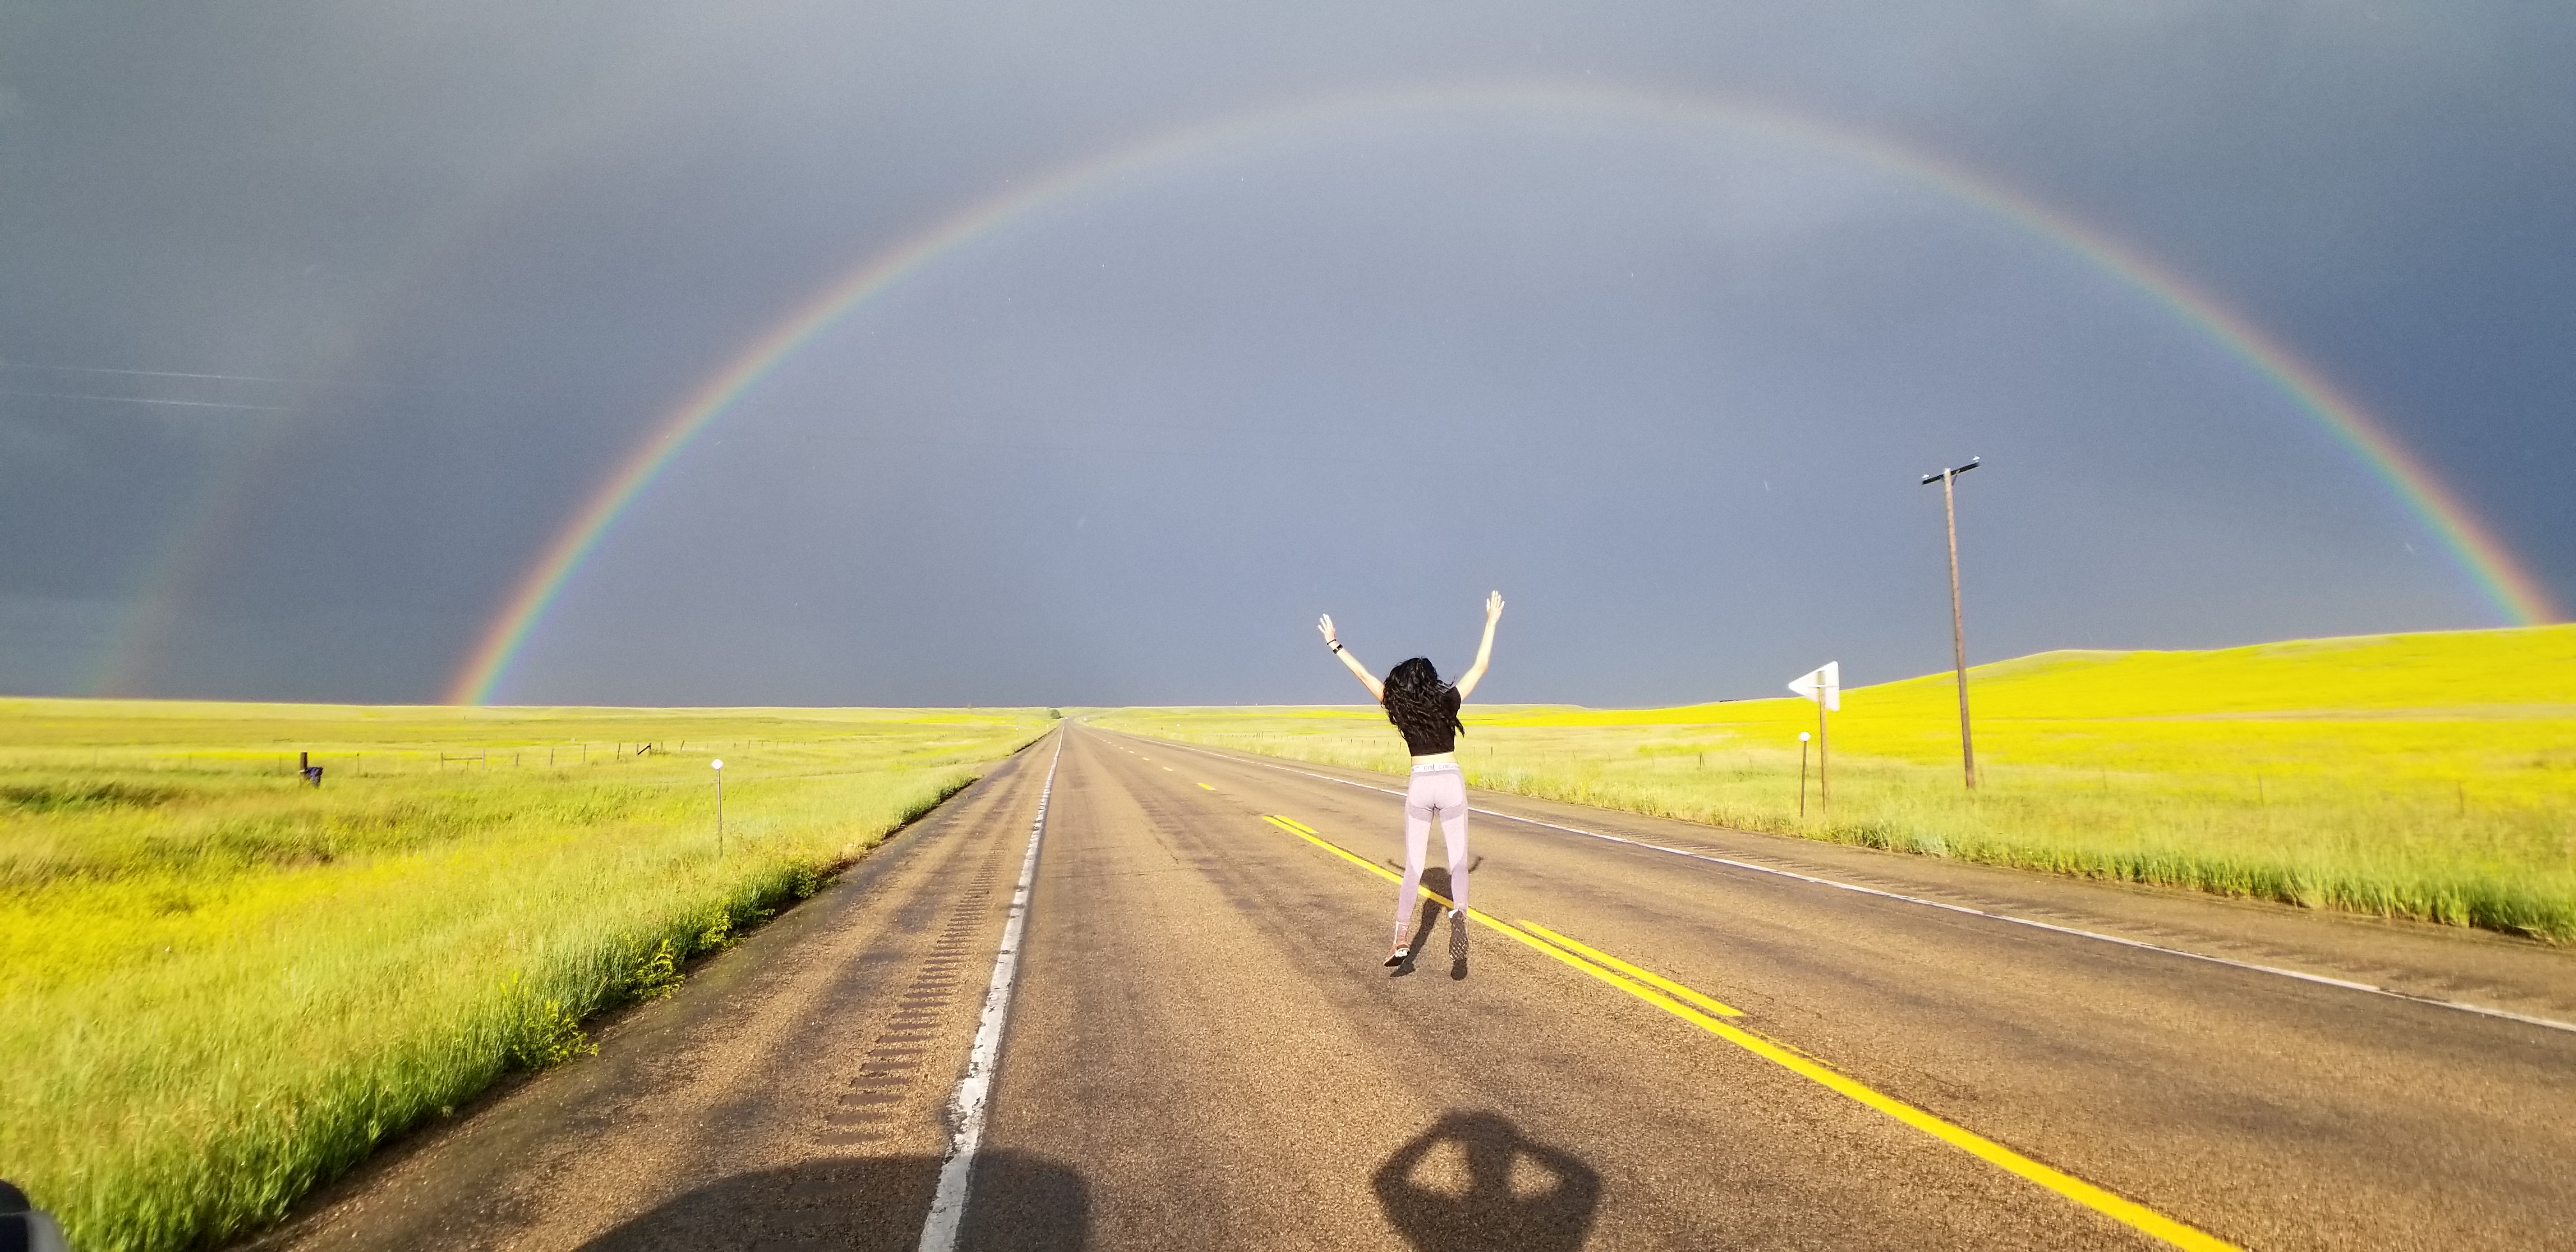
<point x="1201" y="1050"/>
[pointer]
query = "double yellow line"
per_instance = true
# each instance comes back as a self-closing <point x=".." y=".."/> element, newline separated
<point x="1710" y="1015"/>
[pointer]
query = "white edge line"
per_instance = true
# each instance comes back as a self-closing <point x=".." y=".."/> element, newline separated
<point x="2142" y="945"/>
<point x="966" y="1108"/>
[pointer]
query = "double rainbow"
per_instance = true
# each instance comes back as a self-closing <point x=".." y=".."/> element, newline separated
<point x="2500" y="578"/>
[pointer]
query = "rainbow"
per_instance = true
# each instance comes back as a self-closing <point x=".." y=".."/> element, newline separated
<point x="2498" y="576"/>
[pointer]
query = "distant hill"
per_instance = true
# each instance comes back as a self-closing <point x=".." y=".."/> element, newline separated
<point x="2513" y="672"/>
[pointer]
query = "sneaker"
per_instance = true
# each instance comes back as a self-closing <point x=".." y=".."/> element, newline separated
<point x="1398" y="958"/>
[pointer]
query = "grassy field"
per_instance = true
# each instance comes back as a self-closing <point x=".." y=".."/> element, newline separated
<point x="2429" y="776"/>
<point x="219" y="987"/>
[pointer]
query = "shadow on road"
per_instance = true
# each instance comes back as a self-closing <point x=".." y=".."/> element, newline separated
<point x="1516" y="1193"/>
<point x="1437" y="879"/>
<point x="1019" y="1201"/>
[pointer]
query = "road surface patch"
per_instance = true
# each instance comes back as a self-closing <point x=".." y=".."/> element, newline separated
<point x="2127" y="1212"/>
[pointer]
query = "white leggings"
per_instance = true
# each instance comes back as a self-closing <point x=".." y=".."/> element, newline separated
<point x="1438" y="792"/>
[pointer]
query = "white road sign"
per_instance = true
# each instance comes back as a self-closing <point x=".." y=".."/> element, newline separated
<point x="1824" y="683"/>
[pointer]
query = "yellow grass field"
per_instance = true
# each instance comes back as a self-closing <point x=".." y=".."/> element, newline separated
<point x="219" y="987"/>
<point x="2429" y="776"/>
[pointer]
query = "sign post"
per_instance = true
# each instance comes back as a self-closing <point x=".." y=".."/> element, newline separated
<point x="718" y="766"/>
<point x="1824" y="685"/>
<point x="1803" y="737"/>
<point x="1958" y="631"/>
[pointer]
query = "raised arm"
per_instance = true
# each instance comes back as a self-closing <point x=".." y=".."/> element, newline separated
<point x="1485" y="649"/>
<point x="1376" y="689"/>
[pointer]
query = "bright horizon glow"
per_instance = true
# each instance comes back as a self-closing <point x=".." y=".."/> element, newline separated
<point x="2490" y="567"/>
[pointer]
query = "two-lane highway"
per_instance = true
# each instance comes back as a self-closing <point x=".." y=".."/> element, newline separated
<point x="1209" y="1041"/>
<point x="1649" y="1049"/>
<point x="1208" y="1038"/>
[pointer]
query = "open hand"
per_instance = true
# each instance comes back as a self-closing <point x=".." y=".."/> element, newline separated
<point x="1325" y="624"/>
<point x="1493" y="609"/>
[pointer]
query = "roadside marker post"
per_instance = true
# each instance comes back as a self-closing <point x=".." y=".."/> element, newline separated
<point x="1803" y="737"/>
<point x="718" y="766"/>
<point x="1958" y="629"/>
<point x="1824" y="685"/>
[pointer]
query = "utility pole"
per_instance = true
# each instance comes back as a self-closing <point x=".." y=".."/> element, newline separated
<point x="1958" y="627"/>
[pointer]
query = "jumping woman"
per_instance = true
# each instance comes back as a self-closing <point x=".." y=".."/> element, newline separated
<point x="1425" y="709"/>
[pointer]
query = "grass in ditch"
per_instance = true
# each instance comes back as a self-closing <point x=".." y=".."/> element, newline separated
<point x="219" y="987"/>
<point x="2429" y="776"/>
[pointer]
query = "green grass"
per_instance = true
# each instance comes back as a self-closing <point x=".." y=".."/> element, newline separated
<point x="218" y="987"/>
<point x="2428" y="776"/>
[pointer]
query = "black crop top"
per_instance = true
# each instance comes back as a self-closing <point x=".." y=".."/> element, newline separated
<point x="1447" y="738"/>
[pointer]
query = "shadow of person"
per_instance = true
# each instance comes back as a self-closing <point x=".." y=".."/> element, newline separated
<point x="1474" y="862"/>
<point x="1427" y="918"/>
<point x="1016" y="1201"/>
<point x="1551" y="1207"/>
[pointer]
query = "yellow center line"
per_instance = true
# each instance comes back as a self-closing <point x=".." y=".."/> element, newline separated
<point x="1648" y="977"/>
<point x="1205" y="787"/>
<point x="1669" y="996"/>
<point x="1649" y="994"/>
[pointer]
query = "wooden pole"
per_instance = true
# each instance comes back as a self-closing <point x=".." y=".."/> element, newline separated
<point x="1958" y="631"/>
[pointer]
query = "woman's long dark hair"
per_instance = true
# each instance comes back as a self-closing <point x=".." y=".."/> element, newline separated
<point x="1419" y="703"/>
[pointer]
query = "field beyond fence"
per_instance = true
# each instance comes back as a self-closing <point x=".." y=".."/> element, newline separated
<point x="2427" y="776"/>
<point x="220" y="986"/>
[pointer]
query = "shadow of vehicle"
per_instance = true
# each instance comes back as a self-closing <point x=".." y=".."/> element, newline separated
<point x="1551" y="1207"/>
<point x="1017" y="1201"/>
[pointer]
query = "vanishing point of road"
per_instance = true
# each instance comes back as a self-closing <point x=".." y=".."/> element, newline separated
<point x="1167" y="1027"/>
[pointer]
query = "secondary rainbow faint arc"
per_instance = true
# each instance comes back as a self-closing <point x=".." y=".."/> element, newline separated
<point x="2490" y="566"/>
<point x="563" y="554"/>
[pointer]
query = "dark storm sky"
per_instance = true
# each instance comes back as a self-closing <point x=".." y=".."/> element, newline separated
<point x="318" y="320"/>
